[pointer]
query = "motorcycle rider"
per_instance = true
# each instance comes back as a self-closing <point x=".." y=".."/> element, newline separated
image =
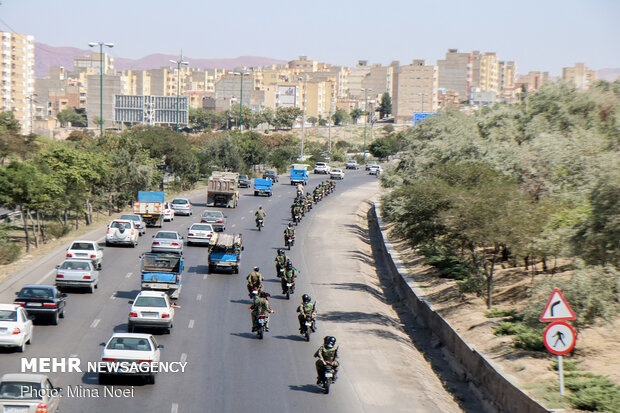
<point x="327" y="355"/>
<point x="260" y="306"/>
<point x="260" y="214"/>
<point x="288" y="277"/>
<point x="300" y="188"/>
<point x="289" y="231"/>
<point x="255" y="280"/>
<point x="280" y="259"/>
<point x="296" y="213"/>
<point x="306" y="309"/>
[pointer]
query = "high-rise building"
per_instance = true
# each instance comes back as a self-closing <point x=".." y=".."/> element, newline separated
<point x="507" y="74"/>
<point x="415" y="89"/>
<point x="579" y="75"/>
<point x="533" y="80"/>
<point x="484" y="70"/>
<point x="453" y="73"/>
<point x="17" y="71"/>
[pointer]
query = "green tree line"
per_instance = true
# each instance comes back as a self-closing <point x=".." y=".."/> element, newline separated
<point x="514" y="185"/>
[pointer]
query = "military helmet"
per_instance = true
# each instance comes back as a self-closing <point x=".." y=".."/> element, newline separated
<point x="256" y="268"/>
<point x="306" y="298"/>
<point x="280" y="251"/>
<point x="329" y="342"/>
<point x="289" y="264"/>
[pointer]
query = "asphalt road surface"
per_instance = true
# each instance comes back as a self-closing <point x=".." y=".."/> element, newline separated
<point x="228" y="368"/>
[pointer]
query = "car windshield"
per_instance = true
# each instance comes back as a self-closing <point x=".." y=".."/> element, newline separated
<point x="129" y="343"/>
<point x="336" y="170"/>
<point x="120" y="225"/>
<point x="270" y="172"/>
<point x="180" y="201"/>
<point x="159" y="302"/>
<point x="33" y="292"/>
<point x="20" y="390"/>
<point x="167" y="235"/>
<point x="8" y="315"/>
<point x="202" y="227"/>
<point x="75" y="265"/>
<point x="82" y="246"/>
<point x="131" y="217"/>
<point x="243" y="177"/>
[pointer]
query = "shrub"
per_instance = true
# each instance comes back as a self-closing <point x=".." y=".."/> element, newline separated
<point x="497" y="313"/>
<point x="592" y="392"/>
<point x="9" y="252"/>
<point x="57" y="230"/>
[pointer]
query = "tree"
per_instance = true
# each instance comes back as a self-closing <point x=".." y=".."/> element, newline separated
<point x="251" y="149"/>
<point x="340" y="117"/>
<point x="313" y="120"/>
<point x="267" y="116"/>
<point x="286" y="117"/>
<point x="384" y="146"/>
<point x="356" y="114"/>
<point x="385" y="107"/>
<point x="67" y="116"/>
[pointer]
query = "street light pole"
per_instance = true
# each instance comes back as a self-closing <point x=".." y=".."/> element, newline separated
<point x="329" y="126"/>
<point x="303" y="119"/>
<point x="179" y="63"/>
<point x="31" y="98"/>
<point x="365" y="116"/>
<point x="101" y="44"/>
<point x="241" y="104"/>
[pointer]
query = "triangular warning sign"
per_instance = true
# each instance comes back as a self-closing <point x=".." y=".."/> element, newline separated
<point x="557" y="308"/>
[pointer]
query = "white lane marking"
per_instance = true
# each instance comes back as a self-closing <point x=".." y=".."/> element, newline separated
<point x="113" y="296"/>
<point x="279" y="196"/>
<point x="234" y="225"/>
<point x="129" y="274"/>
<point x="45" y="276"/>
<point x="191" y="324"/>
<point x="198" y="297"/>
<point x="174" y="408"/>
<point x="269" y="200"/>
<point x="72" y="356"/>
<point x="251" y="210"/>
<point x="95" y="323"/>
<point x="183" y="357"/>
<point x="242" y="217"/>
<point x="204" y="277"/>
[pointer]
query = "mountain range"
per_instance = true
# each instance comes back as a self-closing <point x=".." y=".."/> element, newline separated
<point x="48" y="56"/>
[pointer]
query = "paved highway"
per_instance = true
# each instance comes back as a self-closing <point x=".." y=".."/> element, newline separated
<point x="228" y="369"/>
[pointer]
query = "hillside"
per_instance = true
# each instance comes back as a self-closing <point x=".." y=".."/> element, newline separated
<point x="47" y="56"/>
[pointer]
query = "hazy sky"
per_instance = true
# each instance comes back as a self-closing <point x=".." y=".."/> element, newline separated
<point x="539" y="34"/>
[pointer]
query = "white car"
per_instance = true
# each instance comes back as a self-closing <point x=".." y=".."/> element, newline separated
<point x="375" y="170"/>
<point x="352" y="164"/>
<point x="200" y="233"/>
<point x="28" y="393"/>
<point x="122" y="231"/>
<point x="336" y="174"/>
<point x="133" y="349"/>
<point x="137" y="220"/>
<point x="15" y="327"/>
<point x="86" y="249"/>
<point x="321" y="168"/>
<point x="182" y="206"/>
<point x="167" y="241"/>
<point x="74" y="272"/>
<point x="151" y="309"/>
<point x="168" y="212"/>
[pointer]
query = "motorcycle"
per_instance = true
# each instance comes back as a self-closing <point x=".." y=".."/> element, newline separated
<point x="296" y="218"/>
<point x="307" y="327"/>
<point x="262" y="325"/>
<point x="328" y="378"/>
<point x="290" y="289"/>
<point x="259" y="223"/>
<point x="254" y="293"/>
<point x="279" y="272"/>
<point x="289" y="241"/>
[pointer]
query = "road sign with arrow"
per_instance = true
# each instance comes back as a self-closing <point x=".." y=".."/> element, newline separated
<point x="557" y="309"/>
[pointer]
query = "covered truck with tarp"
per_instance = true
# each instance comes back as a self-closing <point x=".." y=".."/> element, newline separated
<point x="162" y="271"/>
<point x="225" y="253"/>
<point x="223" y="189"/>
<point x="150" y="206"/>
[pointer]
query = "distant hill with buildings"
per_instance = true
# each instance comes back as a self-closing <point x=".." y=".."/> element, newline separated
<point x="47" y="56"/>
<point x="609" y="74"/>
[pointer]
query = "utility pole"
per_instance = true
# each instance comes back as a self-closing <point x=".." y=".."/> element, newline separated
<point x="303" y="119"/>
<point x="329" y="126"/>
<point x="365" y="116"/>
<point x="31" y="98"/>
<point x="101" y="44"/>
<point x="179" y="63"/>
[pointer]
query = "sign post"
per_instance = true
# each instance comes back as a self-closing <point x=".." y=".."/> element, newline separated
<point x="559" y="336"/>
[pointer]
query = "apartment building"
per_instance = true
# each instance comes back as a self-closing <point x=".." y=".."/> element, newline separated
<point x="453" y="73"/>
<point x="135" y="82"/>
<point x="415" y="89"/>
<point x="17" y="71"/>
<point x="111" y="87"/>
<point x="533" y="80"/>
<point x="507" y="74"/>
<point x="579" y="75"/>
<point x="228" y="90"/>
<point x="92" y="63"/>
<point x="303" y="64"/>
<point x="484" y="72"/>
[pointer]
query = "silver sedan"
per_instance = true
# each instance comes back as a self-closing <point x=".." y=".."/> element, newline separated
<point x="167" y="241"/>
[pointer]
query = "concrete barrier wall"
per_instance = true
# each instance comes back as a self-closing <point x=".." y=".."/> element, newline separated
<point x="504" y="395"/>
